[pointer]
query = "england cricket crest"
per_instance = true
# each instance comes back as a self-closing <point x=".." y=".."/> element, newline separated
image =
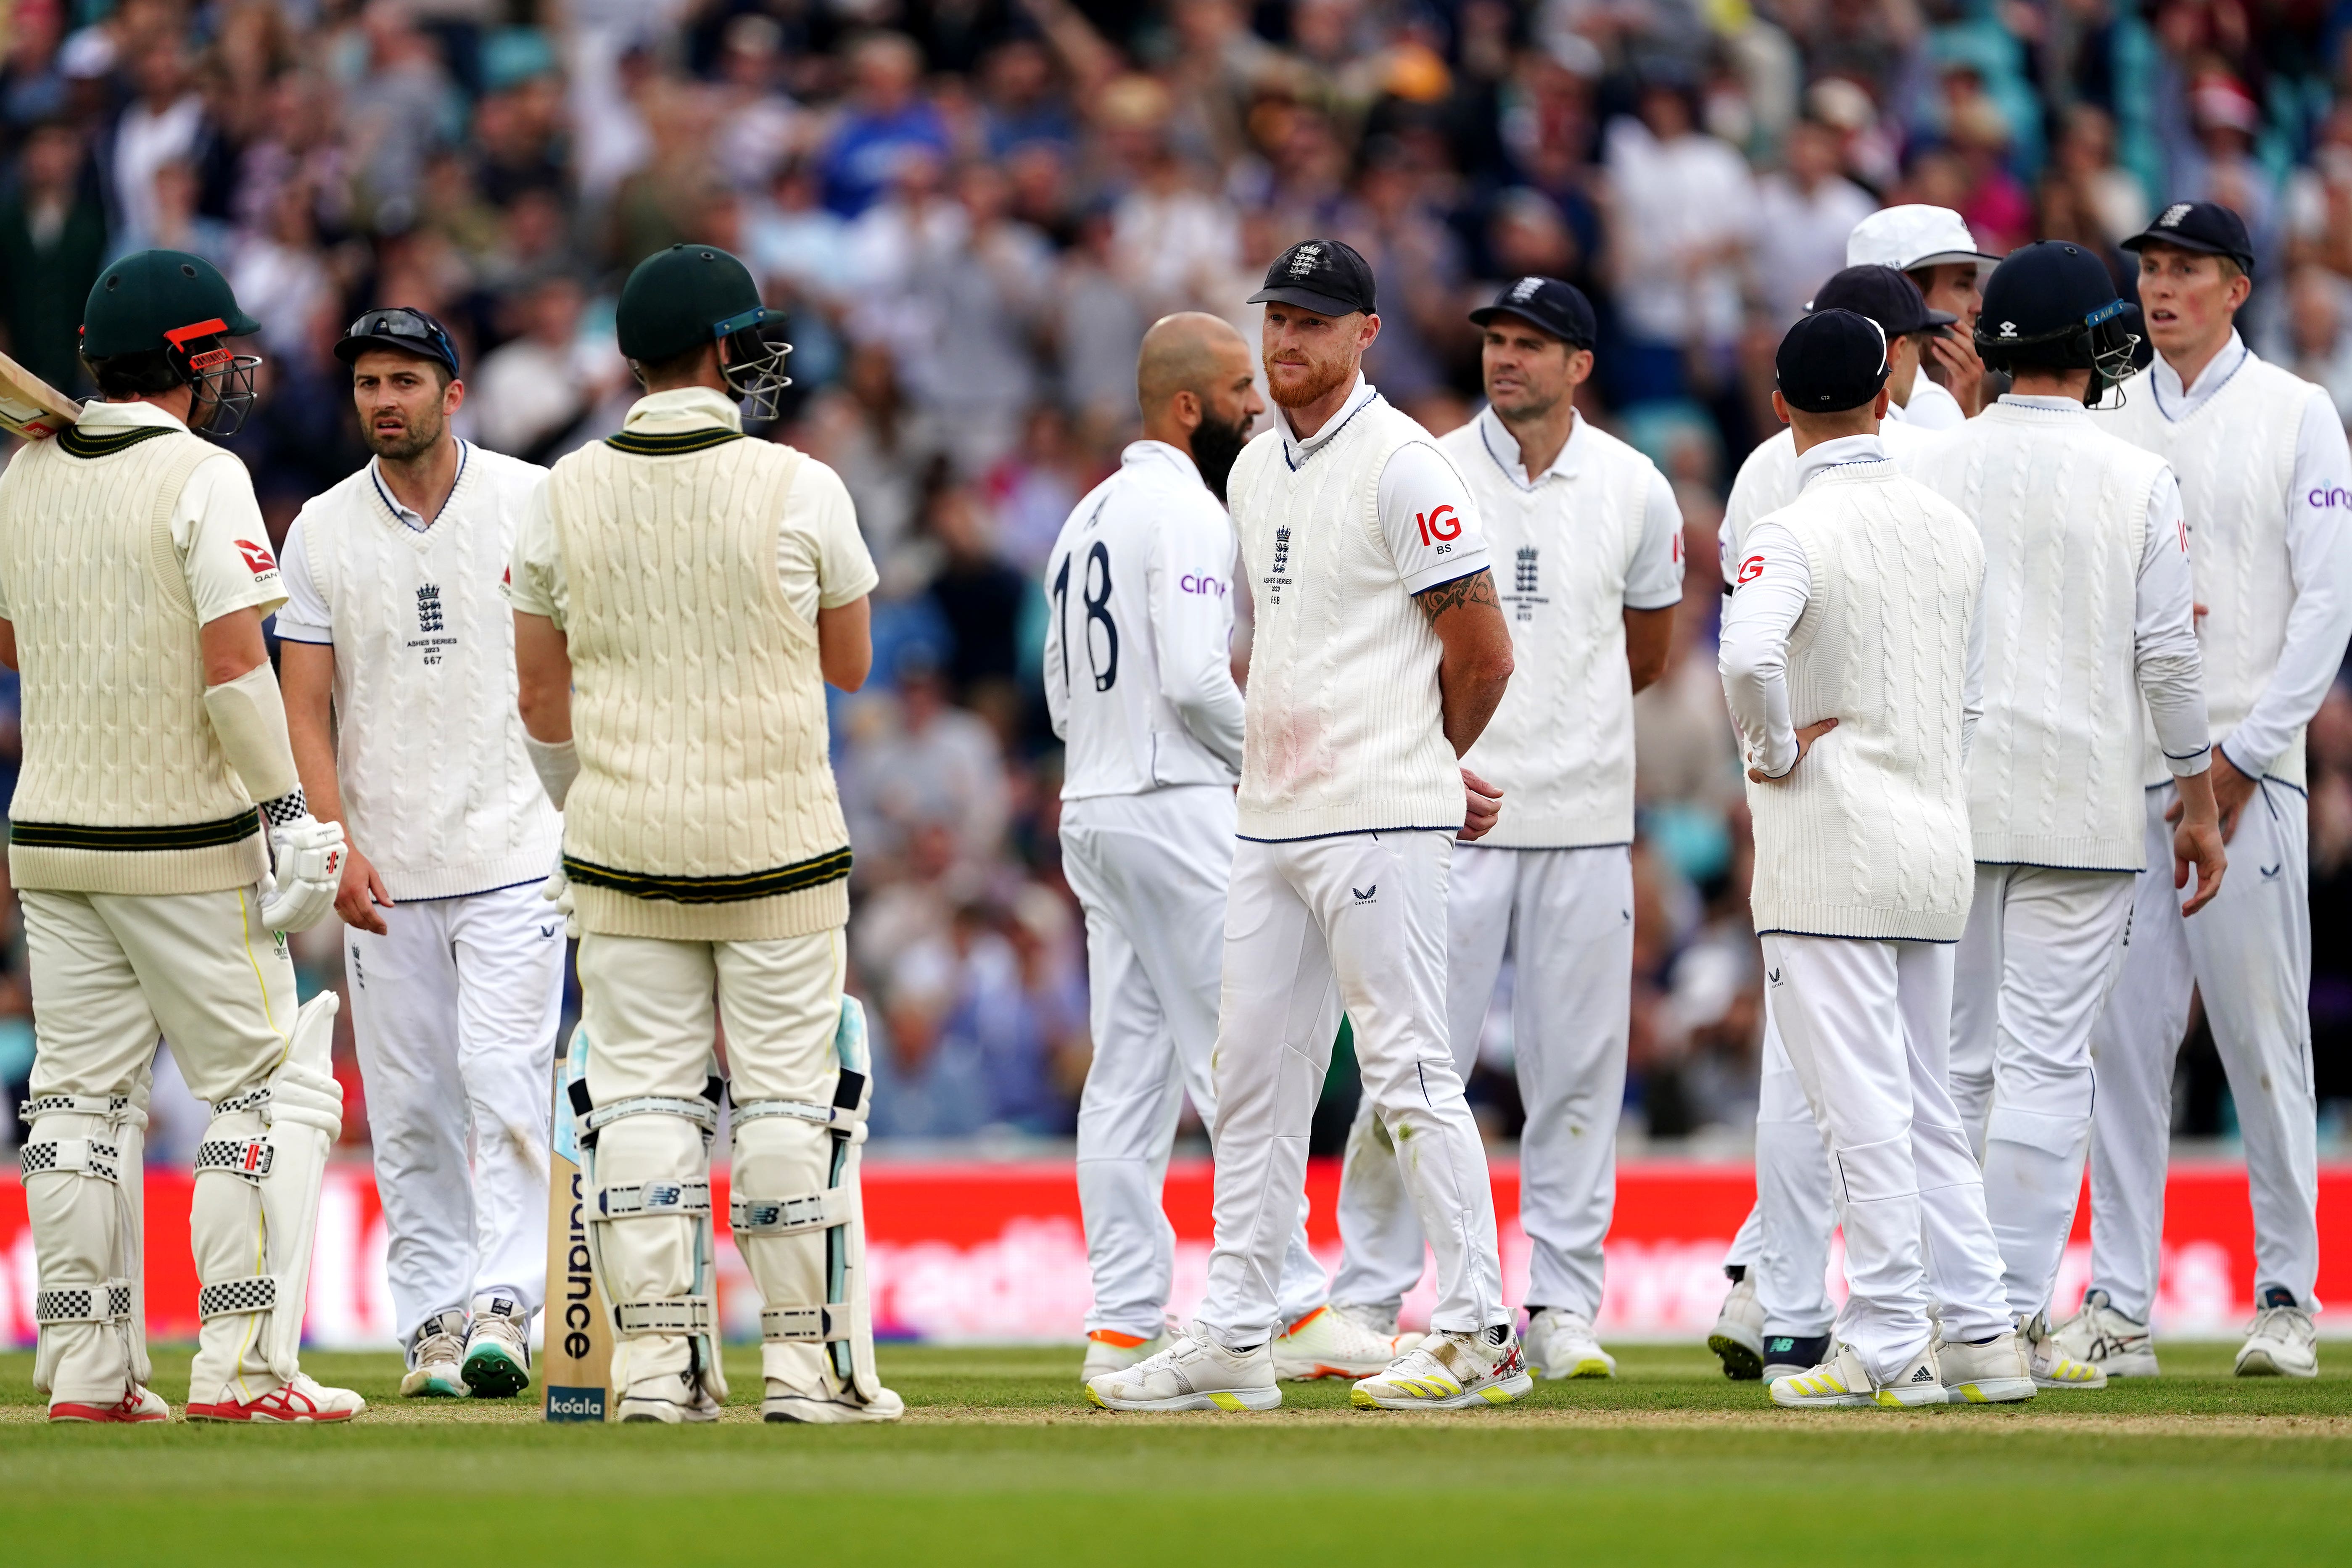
<point x="577" y="1359"/>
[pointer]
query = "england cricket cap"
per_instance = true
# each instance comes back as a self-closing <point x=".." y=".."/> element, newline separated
<point x="154" y="298"/>
<point x="1325" y="276"/>
<point x="1884" y="295"/>
<point x="1911" y="237"/>
<point x="1831" y="360"/>
<point x="1547" y="304"/>
<point x="2207" y="227"/>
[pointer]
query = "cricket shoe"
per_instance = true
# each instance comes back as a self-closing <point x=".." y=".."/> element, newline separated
<point x="672" y="1398"/>
<point x="1331" y="1341"/>
<point x="1451" y="1372"/>
<point x="1739" y="1337"/>
<point x="138" y="1406"/>
<point x="2053" y="1367"/>
<point x="498" y="1349"/>
<point x="439" y="1372"/>
<point x="1108" y="1350"/>
<point x="2281" y="1341"/>
<point x="785" y="1404"/>
<point x="1194" y="1372"/>
<point x="1997" y="1372"/>
<point x="301" y="1403"/>
<point x="1561" y="1343"/>
<point x="1785" y="1355"/>
<point x="1842" y="1381"/>
<point x="2101" y="1336"/>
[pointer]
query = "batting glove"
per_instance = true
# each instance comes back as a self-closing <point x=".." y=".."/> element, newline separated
<point x="308" y="868"/>
<point x="557" y="890"/>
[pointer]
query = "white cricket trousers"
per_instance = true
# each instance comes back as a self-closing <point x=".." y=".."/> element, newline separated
<point x="1151" y="872"/>
<point x="455" y="1011"/>
<point x="1312" y="926"/>
<point x="1868" y="1028"/>
<point x="1568" y="916"/>
<point x="2248" y="953"/>
<point x="2041" y="953"/>
<point x="111" y="975"/>
<point x="1784" y="1243"/>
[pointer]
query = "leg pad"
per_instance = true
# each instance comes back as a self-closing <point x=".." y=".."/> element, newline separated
<point x="106" y="1303"/>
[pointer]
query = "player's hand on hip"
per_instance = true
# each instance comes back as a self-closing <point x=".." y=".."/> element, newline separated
<point x="1805" y="739"/>
<point x="306" y="873"/>
<point x="1482" y="804"/>
<point x="361" y="893"/>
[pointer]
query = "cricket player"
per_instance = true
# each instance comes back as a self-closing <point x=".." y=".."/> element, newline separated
<point x="2089" y="651"/>
<point x="134" y="576"/>
<point x="1139" y="680"/>
<point x="1380" y="652"/>
<point x="1776" y="1318"/>
<point x="1934" y="247"/>
<point x="1852" y="659"/>
<point x="2265" y="484"/>
<point x="1592" y="537"/>
<point x="398" y="655"/>
<point x="682" y="594"/>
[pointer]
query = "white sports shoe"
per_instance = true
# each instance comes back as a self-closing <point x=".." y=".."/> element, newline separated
<point x="1561" y="1343"/>
<point x="1192" y="1374"/>
<point x="1449" y="1372"/>
<point x="1332" y="1342"/>
<point x="301" y="1403"/>
<point x="2053" y="1366"/>
<point x="1108" y="1350"/>
<point x="1994" y="1372"/>
<point x="1738" y="1336"/>
<point x="2100" y="1336"/>
<point x="1842" y="1381"/>
<point x="440" y="1353"/>
<point x="2280" y="1343"/>
<point x="671" y="1398"/>
<point x="498" y="1351"/>
<point x="785" y="1404"/>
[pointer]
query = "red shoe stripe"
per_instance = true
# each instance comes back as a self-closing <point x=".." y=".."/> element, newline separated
<point x="1308" y="1319"/>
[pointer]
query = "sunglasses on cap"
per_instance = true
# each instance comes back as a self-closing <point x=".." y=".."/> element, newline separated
<point x="402" y="323"/>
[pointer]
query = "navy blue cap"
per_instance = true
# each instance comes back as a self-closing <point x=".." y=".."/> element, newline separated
<point x="1547" y="304"/>
<point x="2208" y="228"/>
<point x="404" y="328"/>
<point x="1886" y="295"/>
<point x="1325" y="276"/>
<point x="1831" y="360"/>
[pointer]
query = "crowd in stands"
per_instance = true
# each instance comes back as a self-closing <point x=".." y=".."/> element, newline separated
<point x="972" y="209"/>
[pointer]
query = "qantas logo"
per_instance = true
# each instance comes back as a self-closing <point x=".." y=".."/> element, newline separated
<point x="257" y="559"/>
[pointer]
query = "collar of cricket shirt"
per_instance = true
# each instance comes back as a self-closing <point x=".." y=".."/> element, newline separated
<point x="2175" y="401"/>
<point x="1295" y="451"/>
<point x="682" y="408"/>
<point x="1151" y="451"/>
<point x="97" y="414"/>
<point x="1504" y="447"/>
<point x="1843" y="452"/>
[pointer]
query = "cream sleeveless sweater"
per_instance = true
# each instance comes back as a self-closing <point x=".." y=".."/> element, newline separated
<point x="1560" y="745"/>
<point x="1342" y="729"/>
<point x="437" y="789"/>
<point x="705" y="809"/>
<point x="2234" y="458"/>
<point x="1870" y="837"/>
<point x="2062" y="507"/>
<point x="125" y="788"/>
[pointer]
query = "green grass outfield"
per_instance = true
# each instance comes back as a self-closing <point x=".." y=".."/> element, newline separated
<point x="998" y="1461"/>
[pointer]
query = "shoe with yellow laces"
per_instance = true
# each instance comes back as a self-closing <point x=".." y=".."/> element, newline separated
<point x="1451" y="1372"/>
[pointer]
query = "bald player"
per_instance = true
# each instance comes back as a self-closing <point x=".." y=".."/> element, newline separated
<point x="1139" y="683"/>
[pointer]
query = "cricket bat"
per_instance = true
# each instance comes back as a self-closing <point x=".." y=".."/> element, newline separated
<point x="576" y="1361"/>
<point x="30" y="406"/>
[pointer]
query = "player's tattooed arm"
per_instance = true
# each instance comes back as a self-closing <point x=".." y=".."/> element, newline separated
<point x="1477" y="663"/>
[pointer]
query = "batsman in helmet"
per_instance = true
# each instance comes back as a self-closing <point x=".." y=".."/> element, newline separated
<point x="161" y="847"/>
<point x="682" y="594"/>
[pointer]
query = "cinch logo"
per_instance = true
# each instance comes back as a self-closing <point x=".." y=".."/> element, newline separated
<point x="1443" y="523"/>
<point x="257" y="559"/>
<point x="2330" y="498"/>
<point x="1192" y="584"/>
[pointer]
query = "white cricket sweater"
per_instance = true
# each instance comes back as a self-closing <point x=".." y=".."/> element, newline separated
<point x="1869" y="836"/>
<point x="1560" y="744"/>
<point x="1344" y="730"/>
<point x="2063" y="512"/>
<point x="2235" y="455"/>
<point x="439" y="791"/>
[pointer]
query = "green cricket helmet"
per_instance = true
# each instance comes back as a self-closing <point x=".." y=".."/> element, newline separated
<point x="680" y="298"/>
<point x="179" y="305"/>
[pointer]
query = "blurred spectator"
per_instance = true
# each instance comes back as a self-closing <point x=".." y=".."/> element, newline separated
<point x="886" y="120"/>
<point x="1683" y="210"/>
<point x="165" y="121"/>
<point x="1803" y="213"/>
<point x="52" y="246"/>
